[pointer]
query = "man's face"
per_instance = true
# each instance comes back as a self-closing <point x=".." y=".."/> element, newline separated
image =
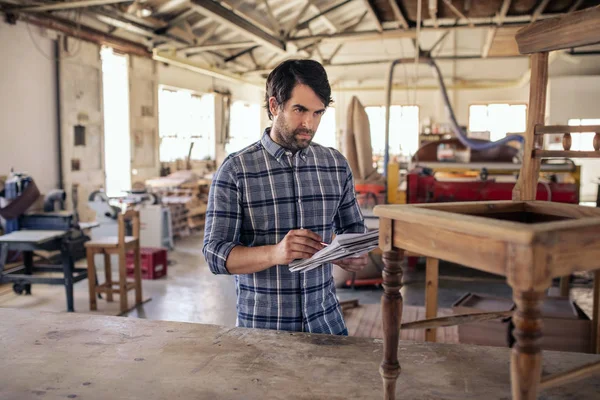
<point x="295" y="124"/>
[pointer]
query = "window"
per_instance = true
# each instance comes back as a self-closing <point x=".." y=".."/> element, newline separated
<point x="244" y="126"/>
<point x="582" y="141"/>
<point x="404" y="129"/>
<point x="185" y="118"/>
<point x="497" y="119"/>
<point x="326" y="134"/>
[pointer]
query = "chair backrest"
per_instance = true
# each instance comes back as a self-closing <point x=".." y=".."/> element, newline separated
<point x="134" y="217"/>
<point x="573" y="30"/>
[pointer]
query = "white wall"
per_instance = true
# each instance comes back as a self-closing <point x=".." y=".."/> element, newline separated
<point x="577" y="97"/>
<point x="28" y="109"/>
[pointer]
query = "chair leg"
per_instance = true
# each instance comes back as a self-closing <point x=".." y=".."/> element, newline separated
<point x="137" y="276"/>
<point x="91" y="278"/>
<point x="108" y="277"/>
<point x="123" y="279"/>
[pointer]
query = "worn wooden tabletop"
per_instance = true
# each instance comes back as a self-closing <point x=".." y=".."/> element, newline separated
<point x="62" y="356"/>
<point x="34" y="237"/>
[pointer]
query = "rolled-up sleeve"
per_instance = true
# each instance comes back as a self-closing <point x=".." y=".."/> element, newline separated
<point x="349" y="218"/>
<point x="223" y="218"/>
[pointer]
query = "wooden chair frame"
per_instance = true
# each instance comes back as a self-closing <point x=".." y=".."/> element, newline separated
<point x="530" y="257"/>
<point x="120" y="246"/>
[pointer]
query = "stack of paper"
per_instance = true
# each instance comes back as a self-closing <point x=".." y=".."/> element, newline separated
<point x="344" y="246"/>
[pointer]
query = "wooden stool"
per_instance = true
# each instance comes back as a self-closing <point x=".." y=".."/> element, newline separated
<point x="120" y="245"/>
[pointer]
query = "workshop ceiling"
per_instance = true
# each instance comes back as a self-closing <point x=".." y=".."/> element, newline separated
<point x="249" y="37"/>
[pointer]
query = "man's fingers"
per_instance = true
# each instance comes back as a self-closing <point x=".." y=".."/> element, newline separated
<point x="308" y="233"/>
<point x="303" y="248"/>
<point x="299" y="255"/>
<point x="305" y="241"/>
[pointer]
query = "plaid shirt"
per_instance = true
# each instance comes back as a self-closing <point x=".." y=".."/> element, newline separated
<point x="257" y="196"/>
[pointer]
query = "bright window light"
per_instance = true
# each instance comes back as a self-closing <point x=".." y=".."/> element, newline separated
<point x="583" y="141"/>
<point x="326" y="134"/>
<point x="185" y="118"/>
<point x="404" y="129"/>
<point x="498" y="119"/>
<point x="244" y="126"/>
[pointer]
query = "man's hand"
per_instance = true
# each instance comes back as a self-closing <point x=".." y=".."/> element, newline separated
<point x="298" y="243"/>
<point x="353" y="264"/>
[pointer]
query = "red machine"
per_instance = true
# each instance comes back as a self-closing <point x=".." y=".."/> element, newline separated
<point x="423" y="187"/>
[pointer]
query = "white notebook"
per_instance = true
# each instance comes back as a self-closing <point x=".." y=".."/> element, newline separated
<point x="343" y="246"/>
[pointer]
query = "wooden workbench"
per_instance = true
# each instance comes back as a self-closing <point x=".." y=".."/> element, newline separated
<point x="60" y="356"/>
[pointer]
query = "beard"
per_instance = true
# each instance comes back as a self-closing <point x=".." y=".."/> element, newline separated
<point x="291" y="139"/>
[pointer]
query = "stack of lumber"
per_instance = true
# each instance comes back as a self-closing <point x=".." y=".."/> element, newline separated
<point x="187" y="198"/>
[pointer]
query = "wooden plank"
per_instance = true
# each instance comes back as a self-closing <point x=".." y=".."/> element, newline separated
<point x="561" y="209"/>
<point x="565" y="153"/>
<point x="463" y="207"/>
<point x="34" y="237"/>
<point x="570" y="376"/>
<point x="473" y="250"/>
<point x="526" y="186"/>
<point x="431" y="294"/>
<point x="454" y="320"/>
<point x="573" y="30"/>
<point x="461" y="223"/>
<point x="554" y="129"/>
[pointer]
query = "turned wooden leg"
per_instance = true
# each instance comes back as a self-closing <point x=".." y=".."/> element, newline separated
<point x="391" y="311"/>
<point x="526" y="357"/>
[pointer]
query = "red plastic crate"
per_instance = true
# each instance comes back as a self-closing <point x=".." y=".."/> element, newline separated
<point x="153" y="262"/>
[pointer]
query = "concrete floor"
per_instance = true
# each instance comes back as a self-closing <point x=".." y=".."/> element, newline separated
<point x="191" y="293"/>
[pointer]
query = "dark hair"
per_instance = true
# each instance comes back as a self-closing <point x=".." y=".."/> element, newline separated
<point x="288" y="74"/>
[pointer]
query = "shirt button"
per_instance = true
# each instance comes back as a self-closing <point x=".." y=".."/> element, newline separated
<point x="299" y="201"/>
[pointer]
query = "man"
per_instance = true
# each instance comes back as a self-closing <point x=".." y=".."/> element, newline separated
<point x="278" y="200"/>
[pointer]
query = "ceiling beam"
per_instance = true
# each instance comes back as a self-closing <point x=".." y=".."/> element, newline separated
<point x="371" y="11"/>
<point x="78" y="31"/>
<point x="190" y="65"/>
<point x="241" y="53"/>
<point x="388" y="60"/>
<point x="357" y="36"/>
<point x="575" y="6"/>
<point x="294" y="24"/>
<point x="491" y="33"/>
<point x="432" y="11"/>
<point x="193" y="50"/>
<point x="66" y="6"/>
<point x="457" y="12"/>
<point x="398" y="14"/>
<point x="503" y="12"/>
<point x="272" y="20"/>
<point x="182" y="17"/>
<point x="169" y="6"/>
<point x="304" y="24"/>
<point x="325" y="19"/>
<point x="489" y="40"/>
<point x="539" y="10"/>
<point x="234" y="21"/>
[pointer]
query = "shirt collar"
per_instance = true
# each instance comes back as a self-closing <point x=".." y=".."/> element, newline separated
<point x="276" y="150"/>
